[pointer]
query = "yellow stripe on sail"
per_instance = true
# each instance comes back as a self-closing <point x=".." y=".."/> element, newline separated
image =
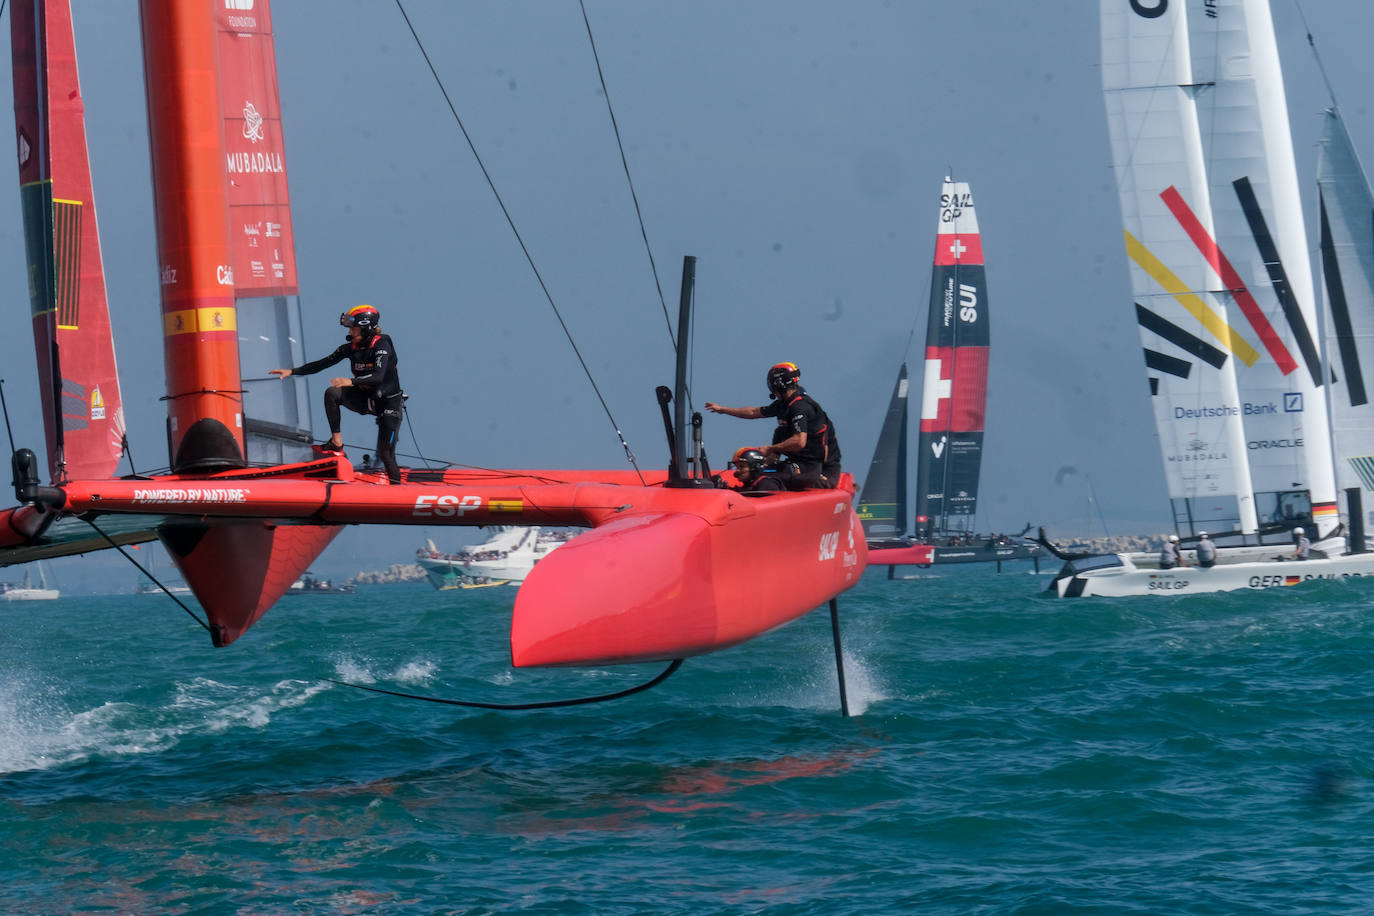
<point x="192" y="321"/>
<point x="1213" y="322"/>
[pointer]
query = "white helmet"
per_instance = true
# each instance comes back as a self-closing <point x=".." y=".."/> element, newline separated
<point x="1202" y="534"/>
<point x="1298" y="531"/>
<point x="1173" y="539"/>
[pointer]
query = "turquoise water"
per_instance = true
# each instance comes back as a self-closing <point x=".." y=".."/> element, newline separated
<point x="1011" y="754"/>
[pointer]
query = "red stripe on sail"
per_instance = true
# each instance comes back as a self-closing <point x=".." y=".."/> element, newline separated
<point x="955" y="248"/>
<point x="960" y="391"/>
<point x="1217" y="258"/>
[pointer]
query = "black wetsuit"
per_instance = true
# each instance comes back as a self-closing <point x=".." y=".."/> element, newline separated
<point x="817" y="464"/>
<point x="376" y="391"/>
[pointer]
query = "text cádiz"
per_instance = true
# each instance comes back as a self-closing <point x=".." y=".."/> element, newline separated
<point x="254" y="162"/>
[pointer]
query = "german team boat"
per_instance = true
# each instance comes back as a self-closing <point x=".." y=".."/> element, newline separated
<point x="668" y="569"/>
<point x="953" y="406"/>
<point x="507" y="556"/>
<point x="1223" y="297"/>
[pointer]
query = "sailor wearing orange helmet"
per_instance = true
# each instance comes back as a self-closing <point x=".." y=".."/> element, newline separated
<point x="374" y="388"/>
<point x="804" y="443"/>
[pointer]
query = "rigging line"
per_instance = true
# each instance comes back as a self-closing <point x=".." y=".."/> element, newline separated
<point x="3" y="404"/>
<point x="1321" y="67"/>
<point x="518" y="238"/>
<point x="147" y="573"/>
<point x="411" y="426"/>
<point x="615" y="126"/>
<point x="515" y="707"/>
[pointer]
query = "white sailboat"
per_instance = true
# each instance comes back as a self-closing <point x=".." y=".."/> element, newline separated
<point x="1223" y="295"/>
<point x="26" y="591"/>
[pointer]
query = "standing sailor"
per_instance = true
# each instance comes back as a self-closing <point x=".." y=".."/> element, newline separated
<point x="1302" y="544"/>
<point x="804" y="441"/>
<point x="374" y="389"/>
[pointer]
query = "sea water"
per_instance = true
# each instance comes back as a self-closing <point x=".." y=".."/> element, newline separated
<point x="1008" y="753"/>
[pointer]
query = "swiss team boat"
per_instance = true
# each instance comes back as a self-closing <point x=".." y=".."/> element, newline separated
<point x="508" y="556"/>
<point x="1257" y="430"/>
<point x="668" y="569"/>
<point x="953" y="406"/>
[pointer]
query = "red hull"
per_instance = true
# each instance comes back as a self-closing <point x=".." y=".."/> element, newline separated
<point x="668" y="573"/>
<point x="915" y="555"/>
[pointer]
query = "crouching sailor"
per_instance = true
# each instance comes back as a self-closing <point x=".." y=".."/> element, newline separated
<point x="804" y="444"/>
<point x="754" y="473"/>
<point x="374" y="389"/>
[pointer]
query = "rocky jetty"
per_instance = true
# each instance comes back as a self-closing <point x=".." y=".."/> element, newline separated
<point x="396" y="572"/>
<point x="1129" y="543"/>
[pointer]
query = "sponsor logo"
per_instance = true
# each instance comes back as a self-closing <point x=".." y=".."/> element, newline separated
<point x="1164" y="584"/>
<point x="1274" y="443"/>
<point x="952" y="206"/>
<point x="169" y="275"/>
<point x="1256" y="410"/>
<point x="968" y="303"/>
<point x="939" y="447"/>
<point x="829" y="544"/>
<point x="224" y="275"/>
<point x="97" y="404"/>
<point x="445" y="506"/>
<point x="1189" y="413"/>
<point x="949" y="300"/>
<point x="1152" y="11"/>
<point x="1292" y="403"/>
<point x="245" y="163"/>
<point x="170" y="495"/>
<point x="252" y="123"/>
<point x="273" y="230"/>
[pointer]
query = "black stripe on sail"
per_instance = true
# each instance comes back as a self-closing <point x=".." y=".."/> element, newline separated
<point x="1154" y="386"/>
<point x="1278" y="277"/>
<point x="1180" y="338"/>
<point x="1161" y="362"/>
<point x="67" y="255"/>
<point x="1340" y="313"/>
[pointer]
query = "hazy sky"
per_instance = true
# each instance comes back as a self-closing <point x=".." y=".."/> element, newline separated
<point x="795" y="147"/>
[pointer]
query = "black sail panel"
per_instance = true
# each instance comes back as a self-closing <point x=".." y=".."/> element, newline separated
<point x="883" y="502"/>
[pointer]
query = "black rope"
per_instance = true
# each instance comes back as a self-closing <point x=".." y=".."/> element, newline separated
<point x="413" y="438"/>
<point x="518" y="238"/>
<point x="148" y="574"/>
<point x="516" y="707"/>
<point x="630" y="181"/>
<point x="3" y="405"/>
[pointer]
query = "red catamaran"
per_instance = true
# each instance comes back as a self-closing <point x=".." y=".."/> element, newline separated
<point x="669" y="570"/>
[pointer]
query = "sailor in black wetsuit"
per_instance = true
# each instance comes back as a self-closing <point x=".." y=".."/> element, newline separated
<point x="374" y="389"/>
<point x="804" y="443"/>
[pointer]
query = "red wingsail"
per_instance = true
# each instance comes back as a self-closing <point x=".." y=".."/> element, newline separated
<point x="82" y="412"/>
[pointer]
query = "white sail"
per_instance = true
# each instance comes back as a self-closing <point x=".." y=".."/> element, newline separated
<point x="1191" y="342"/>
<point x="1347" y="259"/>
<point x="1260" y="257"/>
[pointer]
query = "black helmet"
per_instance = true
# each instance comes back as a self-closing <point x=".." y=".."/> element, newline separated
<point x="361" y="316"/>
<point x="782" y="377"/>
<point x="749" y="459"/>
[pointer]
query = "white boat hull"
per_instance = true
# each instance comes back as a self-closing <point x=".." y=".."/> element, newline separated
<point x="1117" y="575"/>
<point x="30" y="594"/>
